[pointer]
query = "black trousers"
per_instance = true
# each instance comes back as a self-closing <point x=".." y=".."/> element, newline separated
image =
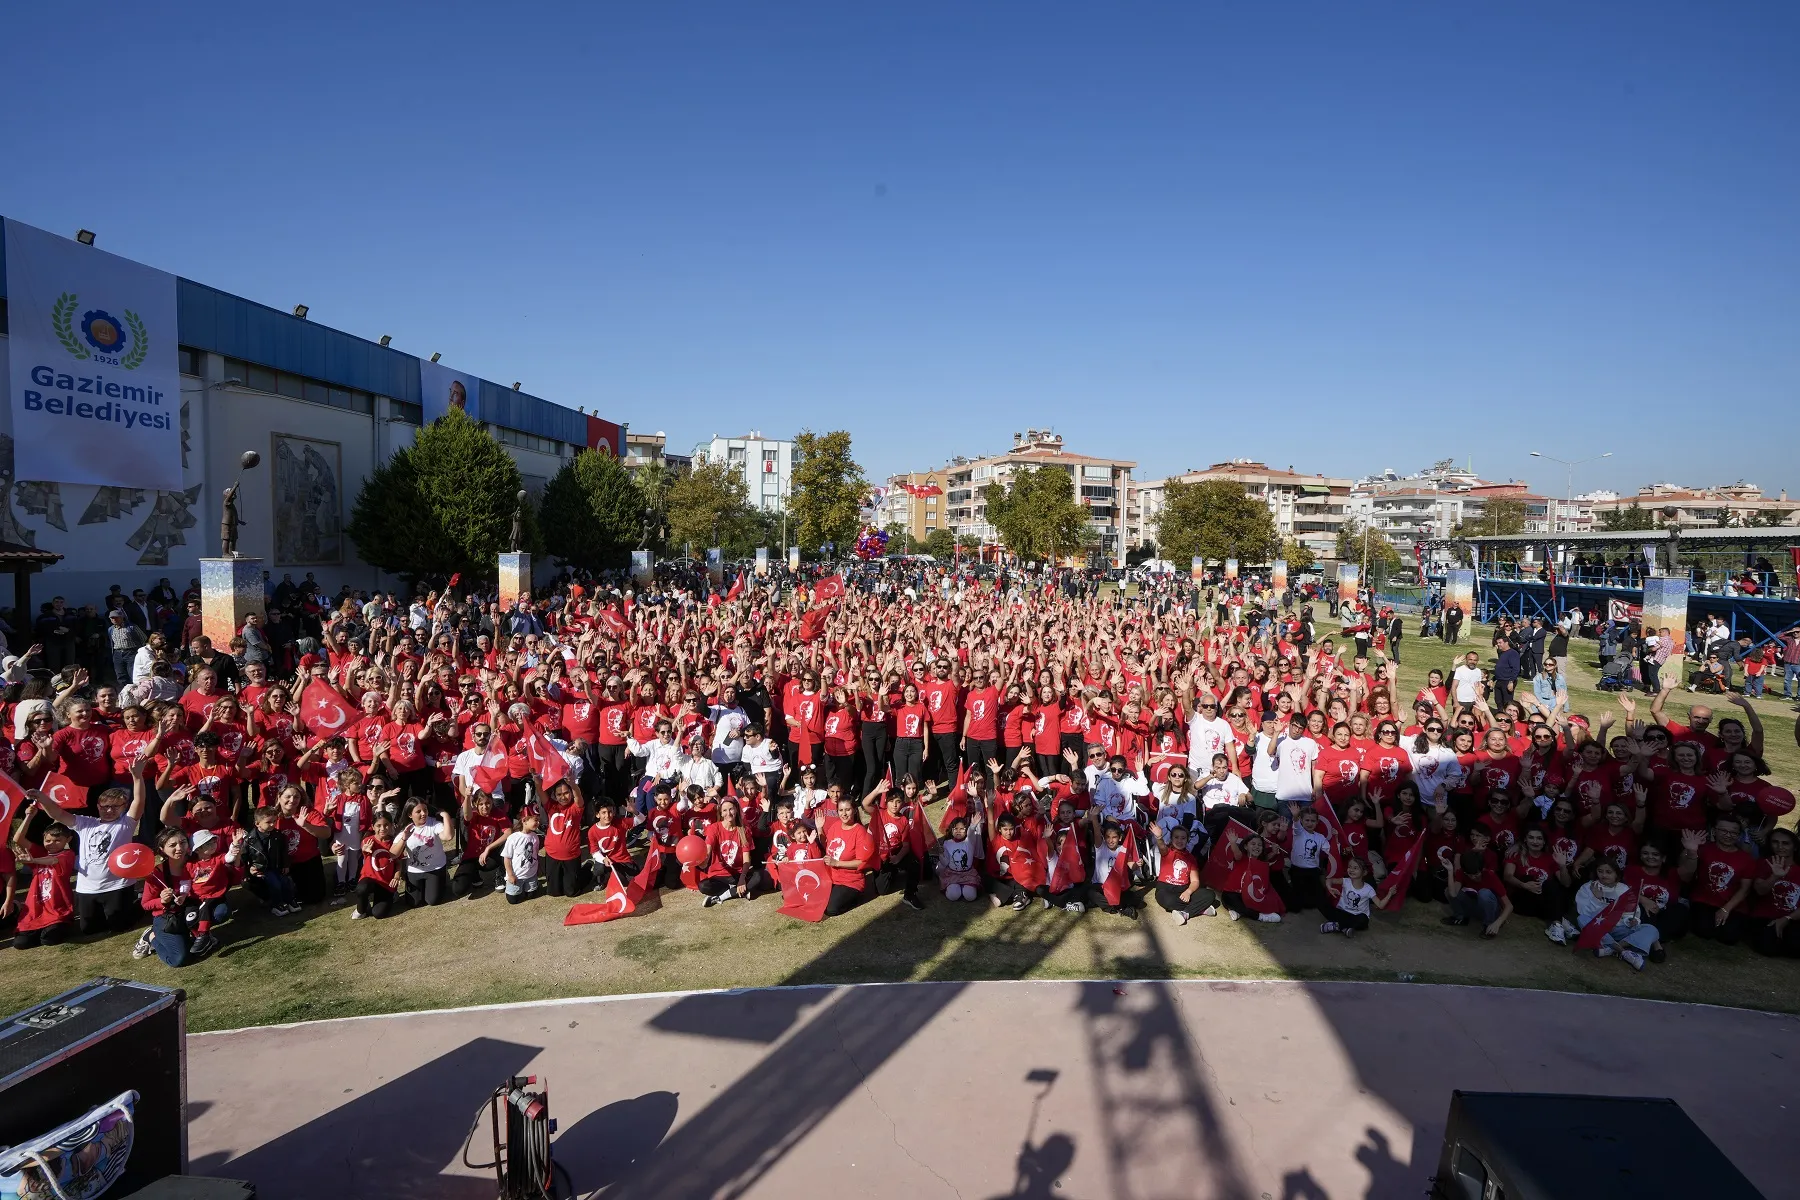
<point x="309" y="878"/>
<point x="899" y="875"/>
<point x="755" y="884"/>
<point x="1344" y="920"/>
<point x="946" y="756"/>
<point x="50" y="935"/>
<point x="372" y="899"/>
<point x="1168" y="896"/>
<point x="843" y="899"/>
<point x="841" y="770"/>
<point x="909" y="759"/>
<point x="978" y="750"/>
<point x="473" y="879"/>
<point x="109" y="912"/>
<point x="877" y="753"/>
<point x="1702" y="923"/>
<point x="563" y="876"/>
<point x="1307" y="889"/>
<point x="615" y="781"/>
<point x="1549" y="906"/>
<point x="428" y="887"/>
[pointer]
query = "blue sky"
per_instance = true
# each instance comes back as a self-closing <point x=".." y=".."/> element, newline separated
<point x="1335" y="236"/>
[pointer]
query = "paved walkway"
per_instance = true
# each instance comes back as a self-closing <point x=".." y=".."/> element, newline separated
<point x="1123" y="1091"/>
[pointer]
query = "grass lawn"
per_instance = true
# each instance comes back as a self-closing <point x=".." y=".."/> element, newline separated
<point x="483" y="952"/>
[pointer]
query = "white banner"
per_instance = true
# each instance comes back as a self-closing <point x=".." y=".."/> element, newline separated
<point x="95" y="376"/>
<point x="441" y="389"/>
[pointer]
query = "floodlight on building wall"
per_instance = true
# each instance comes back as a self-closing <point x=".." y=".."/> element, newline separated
<point x="300" y="310"/>
<point x="386" y="338"/>
<point x="85" y="237"/>
<point x="435" y="356"/>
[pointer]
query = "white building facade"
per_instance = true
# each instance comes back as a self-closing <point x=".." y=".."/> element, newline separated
<point x="766" y="465"/>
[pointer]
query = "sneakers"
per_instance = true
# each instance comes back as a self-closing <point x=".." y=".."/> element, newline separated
<point x="1606" y="950"/>
<point x="1074" y="906"/>
<point x="1181" y="918"/>
<point x="1019" y="903"/>
<point x="913" y="902"/>
<point x="1347" y="931"/>
<point x="711" y="901"/>
<point x="1658" y="954"/>
<point x="1044" y="901"/>
<point x="203" y="945"/>
<point x="358" y="915"/>
<point x="146" y="944"/>
<point x="1330" y="927"/>
<point x="1234" y="914"/>
<point x="995" y="899"/>
<point x="1557" y="934"/>
<point x="1212" y="910"/>
<point x="1270" y="918"/>
<point x="1634" y="957"/>
<point x="1459" y="922"/>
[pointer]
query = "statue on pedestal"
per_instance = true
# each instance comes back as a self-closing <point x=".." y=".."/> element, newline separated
<point x="518" y="525"/>
<point x="229" y="520"/>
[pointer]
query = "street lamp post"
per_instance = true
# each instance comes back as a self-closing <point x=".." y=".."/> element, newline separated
<point x="1569" y="482"/>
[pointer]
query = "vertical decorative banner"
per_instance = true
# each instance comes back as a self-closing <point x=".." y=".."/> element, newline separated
<point x="441" y="389"/>
<point x="1666" y="607"/>
<point x="1231" y="569"/>
<point x="94" y="374"/>
<point x="715" y="566"/>
<point x="1650" y="558"/>
<point x="762" y="561"/>
<point x="642" y="569"/>
<point x="1278" y="575"/>
<point x="1459" y="592"/>
<point x="1197" y="570"/>
<point x="1349" y="575"/>
<point x="793" y="558"/>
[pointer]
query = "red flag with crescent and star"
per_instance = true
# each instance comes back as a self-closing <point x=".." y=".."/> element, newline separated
<point x="621" y="901"/>
<point x="1393" y="893"/>
<point x="1607" y="920"/>
<point x="1065" y="869"/>
<point x="490" y="773"/>
<point x="829" y="588"/>
<point x="65" y="792"/>
<point x="12" y="800"/>
<point x="805" y="889"/>
<point x="1259" y="894"/>
<point x="545" y="759"/>
<point x="323" y="711"/>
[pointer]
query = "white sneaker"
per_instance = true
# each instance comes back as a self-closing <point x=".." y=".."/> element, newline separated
<point x="1212" y="910"/>
<point x="1074" y="906"/>
<point x="1181" y="918"/>
<point x="1606" y="950"/>
<point x="1633" y="957"/>
<point x="1557" y="934"/>
<point x="1329" y="927"/>
<point x="1271" y="918"/>
<point x="1044" y="901"/>
<point x="146" y="944"/>
<point x="358" y="915"/>
<point x="1234" y="914"/>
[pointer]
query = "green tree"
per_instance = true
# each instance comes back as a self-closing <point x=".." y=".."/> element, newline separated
<point x="1299" y="556"/>
<point x="1214" y="519"/>
<point x="1633" y="516"/>
<point x="756" y="527"/>
<point x="941" y="543"/>
<point x="707" y="505"/>
<point x="592" y="513"/>
<point x="826" y="495"/>
<point x="653" y="481"/>
<point x="1037" y="515"/>
<point x="1498" y="518"/>
<point x="441" y="506"/>
<point x="1353" y="547"/>
<point x="1770" y="517"/>
<point x="899" y="541"/>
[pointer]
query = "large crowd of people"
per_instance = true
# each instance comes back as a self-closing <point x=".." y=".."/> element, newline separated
<point x="1013" y="739"/>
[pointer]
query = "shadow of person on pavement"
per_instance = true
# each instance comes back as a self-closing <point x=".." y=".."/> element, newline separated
<point x="1388" y="1176"/>
<point x="602" y="1148"/>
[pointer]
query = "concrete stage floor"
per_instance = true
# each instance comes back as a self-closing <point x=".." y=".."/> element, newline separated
<point x="1124" y="1091"/>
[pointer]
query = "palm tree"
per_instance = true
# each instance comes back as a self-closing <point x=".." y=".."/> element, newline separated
<point x="654" y="480"/>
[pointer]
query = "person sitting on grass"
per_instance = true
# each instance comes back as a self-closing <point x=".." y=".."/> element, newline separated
<point x="1178" y="889"/>
<point x="956" y="870"/>
<point x="1474" y="887"/>
<point x="521" y="856"/>
<point x="1355" y="901"/>
<point x="375" y="888"/>
<point x="1630" y="937"/>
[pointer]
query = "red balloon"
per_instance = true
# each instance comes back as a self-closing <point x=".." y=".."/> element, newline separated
<point x="691" y="850"/>
<point x="133" y="860"/>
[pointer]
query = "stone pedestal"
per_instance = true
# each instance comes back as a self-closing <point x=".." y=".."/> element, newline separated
<point x="230" y="590"/>
<point x="515" y="578"/>
<point x="1666" y="607"/>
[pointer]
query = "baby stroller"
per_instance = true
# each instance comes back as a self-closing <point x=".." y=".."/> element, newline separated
<point x="1615" y="667"/>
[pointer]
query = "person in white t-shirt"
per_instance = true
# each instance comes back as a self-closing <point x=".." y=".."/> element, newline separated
<point x="761" y="757"/>
<point x="728" y="722"/>
<point x="1355" y="902"/>
<point x="1208" y="734"/>
<point x="1262" y="762"/>
<point x="103" y="901"/>
<point x="1221" y="788"/>
<point x="1466" y="682"/>
<point x="1294" y="756"/>
<point x="520" y="854"/>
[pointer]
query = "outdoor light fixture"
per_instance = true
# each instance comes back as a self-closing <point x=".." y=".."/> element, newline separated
<point x="515" y="385"/>
<point x="435" y="356"/>
<point x="386" y="338"/>
<point x="85" y="237"/>
<point x="300" y="311"/>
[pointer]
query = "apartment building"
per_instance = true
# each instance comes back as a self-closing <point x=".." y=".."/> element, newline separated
<point x="1307" y="508"/>
<point x="919" y="515"/>
<point x="1733" y="504"/>
<point x="766" y="464"/>
<point x="1102" y="485"/>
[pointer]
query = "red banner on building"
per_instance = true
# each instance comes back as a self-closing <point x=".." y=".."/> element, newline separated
<point x="605" y="436"/>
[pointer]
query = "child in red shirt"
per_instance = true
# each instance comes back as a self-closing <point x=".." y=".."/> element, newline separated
<point x="49" y="916"/>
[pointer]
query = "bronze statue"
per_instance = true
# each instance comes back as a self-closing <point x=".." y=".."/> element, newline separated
<point x="229" y="522"/>
<point x="518" y="526"/>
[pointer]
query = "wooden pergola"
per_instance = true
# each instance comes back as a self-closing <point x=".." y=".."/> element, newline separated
<point x="24" y="562"/>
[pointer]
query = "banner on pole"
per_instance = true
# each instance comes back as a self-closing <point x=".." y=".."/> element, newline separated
<point x="762" y="560"/>
<point x="1278" y="575"/>
<point x="793" y="558"/>
<point x="1231" y="570"/>
<point x="93" y="371"/>
<point x="715" y="566"/>
<point x="441" y="389"/>
<point x="1349" y="575"/>
<point x="1197" y="570"/>
<point x="642" y="570"/>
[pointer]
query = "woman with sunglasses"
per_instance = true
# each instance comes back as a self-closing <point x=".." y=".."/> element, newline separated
<point x="875" y="699"/>
<point x="1433" y="765"/>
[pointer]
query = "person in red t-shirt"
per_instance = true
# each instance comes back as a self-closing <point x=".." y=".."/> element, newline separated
<point x="943" y="699"/>
<point x="606" y="844"/>
<point x="1718" y="873"/>
<point x="82" y="750"/>
<point x="49" y="916"/>
<point x="981" y="720"/>
<point x="1775" y="898"/>
<point x="375" y="882"/>
<point x="850" y="853"/>
<point x="1178" y="888"/>
<point x="1475" y="889"/>
<point x="731" y="871"/>
<point x="562" y="841"/>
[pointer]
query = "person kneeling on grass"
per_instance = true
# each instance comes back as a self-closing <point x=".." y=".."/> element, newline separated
<point x="1475" y="889"/>
<point x="731" y="870"/>
<point x="1631" y="939"/>
<point x="520" y="856"/>
<point x="1178" y="888"/>
<point x="185" y="896"/>
<point x="49" y="916"/>
<point x="1355" y="901"/>
<point x="375" y="885"/>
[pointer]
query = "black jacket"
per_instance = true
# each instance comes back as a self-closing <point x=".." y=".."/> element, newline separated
<point x="266" y="850"/>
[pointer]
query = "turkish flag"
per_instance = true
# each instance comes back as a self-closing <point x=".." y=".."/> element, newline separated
<point x="1220" y="865"/>
<point x="918" y="833"/>
<point x="829" y="588"/>
<point x="545" y="759"/>
<point x="812" y="623"/>
<point x="618" y="903"/>
<point x="490" y="773"/>
<point x="65" y="791"/>
<point x="805" y="889"/>
<point x="614" y="622"/>
<point x="1607" y="920"/>
<point x="1116" y="882"/>
<point x="1131" y="855"/>
<point x="454" y="580"/>
<point x="1066" y="869"/>
<point x="1393" y="894"/>
<point x="1258" y="893"/>
<point x="12" y="799"/>
<point x="737" y="587"/>
<point x="1027" y="862"/>
<point x="324" y="711"/>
